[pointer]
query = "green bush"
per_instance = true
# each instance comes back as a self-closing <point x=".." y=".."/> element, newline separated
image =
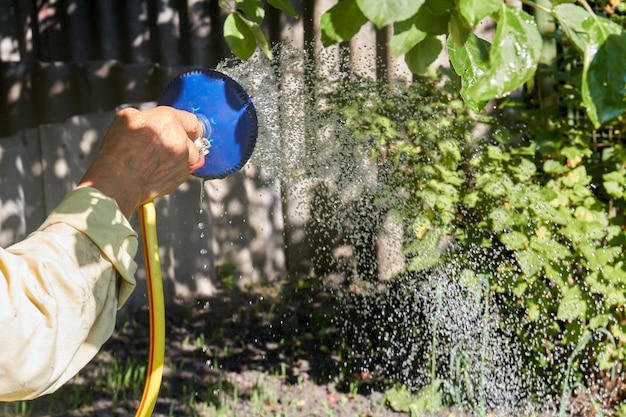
<point x="550" y="203"/>
<point x="543" y="195"/>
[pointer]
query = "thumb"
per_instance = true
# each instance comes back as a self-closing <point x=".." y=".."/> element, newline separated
<point x="196" y="159"/>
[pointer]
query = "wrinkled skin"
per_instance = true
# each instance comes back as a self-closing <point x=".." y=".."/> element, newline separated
<point x="144" y="155"/>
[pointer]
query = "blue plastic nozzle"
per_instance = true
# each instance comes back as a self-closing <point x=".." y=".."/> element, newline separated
<point x="226" y="113"/>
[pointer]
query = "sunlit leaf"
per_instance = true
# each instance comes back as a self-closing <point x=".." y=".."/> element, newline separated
<point x="262" y="40"/>
<point x="577" y="176"/>
<point x="239" y="36"/>
<point x="252" y="9"/>
<point x="514" y="240"/>
<point x="423" y="55"/>
<point x="614" y="183"/>
<point x="405" y="36"/>
<point x="597" y="258"/>
<point x="554" y="167"/>
<point x="341" y="22"/>
<point x="458" y="27"/>
<point x="572" y="306"/>
<point x="384" y="12"/>
<point x="604" y="79"/>
<point x="476" y="10"/>
<point x="571" y="18"/>
<point x="513" y="57"/>
<point x="532" y="310"/>
<point x="399" y="398"/>
<point x="285" y="6"/>
<point x="524" y="170"/>
<point x="609" y="283"/>
<point x="471" y="63"/>
<point x="549" y="247"/>
<point x="496" y="153"/>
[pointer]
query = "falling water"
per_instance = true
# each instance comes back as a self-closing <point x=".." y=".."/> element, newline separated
<point x="401" y="328"/>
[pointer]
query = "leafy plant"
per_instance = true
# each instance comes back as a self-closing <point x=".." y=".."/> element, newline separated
<point x="242" y="27"/>
<point x="543" y="195"/>
<point x="538" y="213"/>
<point x="487" y="70"/>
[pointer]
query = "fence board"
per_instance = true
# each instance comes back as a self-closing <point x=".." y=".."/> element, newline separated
<point x="60" y="59"/>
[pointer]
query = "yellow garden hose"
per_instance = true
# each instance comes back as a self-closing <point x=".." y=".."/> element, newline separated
<point x="156" y="306"/>
<point x="228" y="118"/>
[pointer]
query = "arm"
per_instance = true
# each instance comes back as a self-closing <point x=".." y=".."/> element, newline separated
<point x="59" y="291"/>
<point x="60" y="288"/>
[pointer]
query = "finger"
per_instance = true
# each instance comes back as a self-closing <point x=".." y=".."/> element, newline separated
<point x="198" y="164"/>
<point x="191" y="124"/>
<point x="194" y="156"/>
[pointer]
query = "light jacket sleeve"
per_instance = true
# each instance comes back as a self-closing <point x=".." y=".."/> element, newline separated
<point x="60" y="289"/>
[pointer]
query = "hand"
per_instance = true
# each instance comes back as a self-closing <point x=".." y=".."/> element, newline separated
<point x="144" y="155"/>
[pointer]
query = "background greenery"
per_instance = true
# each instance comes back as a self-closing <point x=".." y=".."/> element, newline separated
<point x="543" y="194"/>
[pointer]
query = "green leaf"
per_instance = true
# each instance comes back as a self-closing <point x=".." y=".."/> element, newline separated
<point x="285" y="6"/>
<point x="604" y="79"/>
<point x="597" y="258"/>
<point x="408" y="33"/>
<point x="476" y="10"/>
<point x="600" y="320"/>
<point x="614" y="183"/>
<point x="533" y="310"/>
<point x="239" y="36"/>
<point x="494" y="188"/>
<point x="253" y="9"/>
<point x="577" y="176"/>
<point x="430" y="22"/>
<point x="572" y="305"/>
<point x="262" y="40"/>
<point x="514" y="240"/>
<point x="525" y="170"/>
<point x="501" y="219"/>
<point x="429" y="398"/>
<point x="554" y="167"/>
<point x="495" y="153"/>
<point x="549" y="213"/>
<point x="458" y="27"/>
<point x="422" y="55"/>
<point x="440" y="6"/>
<point x="614" y="188"/>
<point x="575" y="152"/>
<point x="607" y="284"/>
<point x="571" y="18"/>
<point x="514" y="56"/>
<point x="341" y="22"/>
<point x="405" y="36"/>
<point x="384" y="12"/>
<point x="450" y="152"/>
<point x="470" y="62"/>
<point x="399" y="398"/>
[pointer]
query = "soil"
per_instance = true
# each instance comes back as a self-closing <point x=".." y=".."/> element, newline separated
<point x="271" y="351"/>
<point x="259" y="353"/>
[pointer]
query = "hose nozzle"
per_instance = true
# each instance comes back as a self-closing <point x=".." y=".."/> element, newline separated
<point x="203" y="143"/>
<point x="227" y="116"/>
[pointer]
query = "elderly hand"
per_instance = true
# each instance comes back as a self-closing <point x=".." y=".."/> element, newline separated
<point x="144" y="155"/>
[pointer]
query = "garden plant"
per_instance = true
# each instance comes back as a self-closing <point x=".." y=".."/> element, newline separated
<point x="544" y="192"/>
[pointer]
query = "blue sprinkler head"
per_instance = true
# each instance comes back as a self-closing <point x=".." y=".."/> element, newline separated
<point x="227" y="114"/>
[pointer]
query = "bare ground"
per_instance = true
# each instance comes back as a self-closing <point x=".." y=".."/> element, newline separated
<point x="273" y="351"/>
<point x="261" y="353"/>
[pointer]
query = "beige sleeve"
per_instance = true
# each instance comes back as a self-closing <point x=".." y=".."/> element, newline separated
<point x="60" y="289"/>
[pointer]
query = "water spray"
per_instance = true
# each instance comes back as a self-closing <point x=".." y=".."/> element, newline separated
<point x="230" y="130"/>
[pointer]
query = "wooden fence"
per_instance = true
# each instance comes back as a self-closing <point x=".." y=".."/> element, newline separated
<point x="67" y="65"/>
